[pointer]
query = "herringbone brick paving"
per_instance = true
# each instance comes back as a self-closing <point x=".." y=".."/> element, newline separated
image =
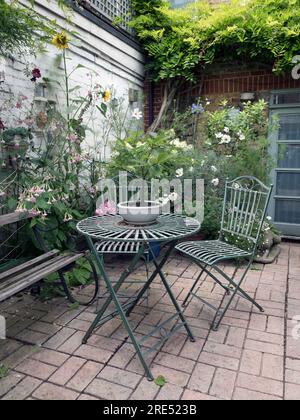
<point x="253" y="356"/>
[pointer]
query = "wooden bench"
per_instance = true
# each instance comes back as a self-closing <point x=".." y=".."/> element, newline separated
<point x="30" y="273"/>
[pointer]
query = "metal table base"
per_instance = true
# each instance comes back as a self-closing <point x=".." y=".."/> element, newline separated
<point x="124" y="310"/>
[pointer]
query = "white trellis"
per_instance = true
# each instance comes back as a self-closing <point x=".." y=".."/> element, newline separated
<point x="114" y="9"/>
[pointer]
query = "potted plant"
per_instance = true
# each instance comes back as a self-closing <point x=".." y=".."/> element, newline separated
<point x="146" y="157"/>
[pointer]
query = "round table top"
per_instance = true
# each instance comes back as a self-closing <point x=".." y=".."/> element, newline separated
<point x="167" y="227"/>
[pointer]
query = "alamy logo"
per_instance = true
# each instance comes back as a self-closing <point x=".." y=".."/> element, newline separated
<point x="296" y="329"/>
<point x="296" y="69"/>
<point x="2" y="328"/>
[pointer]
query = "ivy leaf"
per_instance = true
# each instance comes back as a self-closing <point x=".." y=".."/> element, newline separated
<point x="160" y="381"/>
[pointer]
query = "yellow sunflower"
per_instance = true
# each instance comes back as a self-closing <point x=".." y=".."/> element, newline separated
<point x="106" y="96"/>
<point x="61" y="41"/>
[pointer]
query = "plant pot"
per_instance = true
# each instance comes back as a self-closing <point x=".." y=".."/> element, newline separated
<point x="140" y="215"/>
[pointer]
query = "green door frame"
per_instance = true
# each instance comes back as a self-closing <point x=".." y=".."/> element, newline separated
<point x="287" y="229"/>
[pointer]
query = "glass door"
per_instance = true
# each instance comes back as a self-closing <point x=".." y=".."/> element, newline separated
<point x="285" y="146"/>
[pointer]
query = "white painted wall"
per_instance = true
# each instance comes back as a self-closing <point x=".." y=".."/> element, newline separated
<point x="117" y="64"/>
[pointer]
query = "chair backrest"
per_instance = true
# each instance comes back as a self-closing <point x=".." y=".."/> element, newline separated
<point x="244" y="211"/>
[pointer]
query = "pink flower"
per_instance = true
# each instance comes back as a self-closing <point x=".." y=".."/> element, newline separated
<point x="108" y="207"/>
<point x="35" y="212"/>
<point x="36" y="74"/>
<point x="99" y="212"/>
<point x="72" y="138"/>
<point x="19" y="105"/>
<point x="29" y="122"/>
<point x="31" y="199"/>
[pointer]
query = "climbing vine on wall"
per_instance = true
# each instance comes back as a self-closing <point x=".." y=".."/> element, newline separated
<point x="181" y="43"/>
<point x="177" y="41"/>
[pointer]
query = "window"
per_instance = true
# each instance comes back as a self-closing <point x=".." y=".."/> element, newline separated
<point x="114" y="10"/>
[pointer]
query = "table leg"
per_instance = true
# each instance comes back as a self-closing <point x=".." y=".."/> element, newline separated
<point x="152" y="277"/>
<point x="114" y="298"/>
<point x="158" y="271"/>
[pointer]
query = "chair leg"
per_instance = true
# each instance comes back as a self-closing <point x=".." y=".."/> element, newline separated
<point x="193" y="287"/>
<point x="221" y="314"/>
<point x="148" y="290"/>
<point x="99" y="290"/>
<point x="239" y="289"/>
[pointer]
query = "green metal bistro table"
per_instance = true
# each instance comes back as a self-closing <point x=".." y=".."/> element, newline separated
<point x="167" y="230"/>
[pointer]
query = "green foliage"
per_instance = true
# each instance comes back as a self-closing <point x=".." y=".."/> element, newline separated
<point x="79" y="275"/>
<point x="160" y="381"/>
<point x="21" y="29"/>
<point x="240" y="140"/>
<point x="150" y="156"/>
<point x="4" y="370"/>
<point x="178" y="41"/>
<point x="233" y="143"/>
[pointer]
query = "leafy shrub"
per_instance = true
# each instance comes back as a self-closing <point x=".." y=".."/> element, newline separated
<point x="179" y="41"/>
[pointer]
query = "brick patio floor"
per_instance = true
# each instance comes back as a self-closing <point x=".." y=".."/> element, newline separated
<point x="252" y="356"/>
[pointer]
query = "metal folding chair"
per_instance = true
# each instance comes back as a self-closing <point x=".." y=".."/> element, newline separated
<point x="244" y="211"/>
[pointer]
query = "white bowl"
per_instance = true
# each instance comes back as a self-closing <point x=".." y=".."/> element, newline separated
<point x="133" y="214"/>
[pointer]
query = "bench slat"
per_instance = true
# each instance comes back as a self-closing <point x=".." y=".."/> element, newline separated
<point x="36" y="269"/>
<point x="31" y="271"/>
<point x="28" y="264"/>
<point x="7" y="219"/>
<point x="9" y="290"/>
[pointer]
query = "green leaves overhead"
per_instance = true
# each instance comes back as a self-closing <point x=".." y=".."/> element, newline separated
<point x="179" y="41"/>
<point x="21" y="29"/>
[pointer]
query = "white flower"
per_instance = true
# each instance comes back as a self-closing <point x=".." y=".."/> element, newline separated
<point x="179" y="173"/>
<point x="226" y="130"/>
<point x="269" y="218"/>
<point x="214" y="169"/>
<point x="181" y="144"/>
<point x="173" y="196"/>
<point x="128" y="146"/>
<point x="215" y="182"/>
<point x="242" y="137"/>
<point x="236" y="186"/>
<point x="175" y="142"/>
<point x="137" y="114"/>
<point x="219" y="135"/>
<point x="68" y="217"/>
<point x="225" y="139"/>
